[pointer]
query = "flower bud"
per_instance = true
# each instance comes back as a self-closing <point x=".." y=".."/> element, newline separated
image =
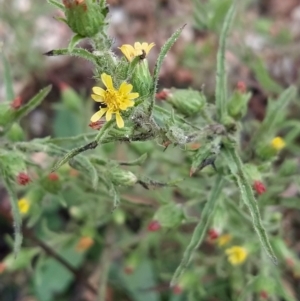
<point x="23" y="178"/>
<point x="16" y="103"/>
<point x="154" y="226"/>
<point x="119" y="217"/>
<point x="84" y="244"/>
<point x="213" y="234"/>
<point x="169" y="216"/>
<point x="259" y="187"/>
<point x="131" y="263"/>
<point x="122" y="177"/>
<point x="85" y="17"/>
<point x="187" y="102"/>
<point x="177" y="289"/>
<point x="238" y="104"/>
<point x="142" y="79"/>
<point x="51" y="183"/>
<point x="15" y="133"/>
<point x="53" y="176"/>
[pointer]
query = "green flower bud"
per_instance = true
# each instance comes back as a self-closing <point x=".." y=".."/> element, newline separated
<point x="77" y="213"/>
<point x="85" y="17"/>
<point x="15" y="133"/>
<point x="141" y="78"/>
<point x="265" y="150"/>
<point x="6" y="114"/>
<point x="238" y="104"/>
<point x="13" y="163"/>
<point x="169" y="216"/>
<point x="176" y="135"/>
<point x="119" y="217"/>
<point x="51" y="183"/>
<point x="252" y="172"/>
<point x="187" y="102"/>
<point x="122" y="177"/>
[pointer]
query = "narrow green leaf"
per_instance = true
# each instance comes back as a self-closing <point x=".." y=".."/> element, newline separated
<point x="79" y="52"/>
<point x="74" y="41"/>
<point x="274" y="110"/>
<point x="236" y="167"/>
<point x="163" y="52"/>
<point x="8" y="81"/>
<point x="82" y="163"/>
<point x="200" y="229"/>
<point x="221" y="79"/>
<point x="56" y="4"/>
<point x="263" y="77"/>
<point x="32" y="104"/>
<point x="138" y="161"/>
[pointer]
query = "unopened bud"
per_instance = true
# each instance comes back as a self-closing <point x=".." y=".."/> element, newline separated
<point x="259" y="187"/>
<point x="85" y="17"/>
<point x="154" y="226"/>
<point x="122" y="177"/>
<point x="187" y="102"/>
<point x="23" y="178"/>
<point x="16" y="103"/>
<point x="169" y="216"/>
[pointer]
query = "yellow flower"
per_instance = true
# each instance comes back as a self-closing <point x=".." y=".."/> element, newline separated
<point x="112" y="100"/>
<point x="24" y="205"/>
<point x="84" y="243"/>
<point x="236" y="255"/>
<point x="278" y="143"/>
<point x="139" y="49"/>
<point x="224" y="239"/>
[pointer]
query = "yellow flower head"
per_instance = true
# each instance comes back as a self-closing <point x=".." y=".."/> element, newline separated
<point x="112" y="100"/>
<point x="224" y="239"/>
<point x="84" y="243"/>
<point x="236" y="255"/>
<point x="139" y="49"/>
<point x="278" y="143"/>
<point x="24" y="205"/>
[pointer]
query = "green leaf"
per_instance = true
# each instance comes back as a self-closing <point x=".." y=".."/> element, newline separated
<point x="137" y="283"/>
<point x="74" y="41"/>
<point x="51" y="277"/>
<point x="8" y="81"/>
<point x="79" y="52"/>
<point x="237" y="169"/>
<point x="200" y="230"/>
<point x="274" y="110"/>
<point x="263" y="77"/>
<point x="221" y="80"/>
<point x="56" y="4"/>
<point x="163" y="52"/>
<point x="32" y="104"/>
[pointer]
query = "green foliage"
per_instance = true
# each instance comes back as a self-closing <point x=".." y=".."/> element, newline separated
<point x="183" y="163"/>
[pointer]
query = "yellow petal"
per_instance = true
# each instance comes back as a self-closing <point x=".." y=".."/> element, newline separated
<point x="149" y="47"/>
<point x="97" y="97"/>
<point x="98" y="115"/>
<point x="108" y="115"/>
<point x="125" y="88"/>
<point x="99" y="91"/>
<point x="107" y="81"/>
<point x="119" y="119"/>
<point x="126" y="104"/>
<point x="137" y="46"/>
<point x="133" y="95"/>
<point x="128" y="51"/>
